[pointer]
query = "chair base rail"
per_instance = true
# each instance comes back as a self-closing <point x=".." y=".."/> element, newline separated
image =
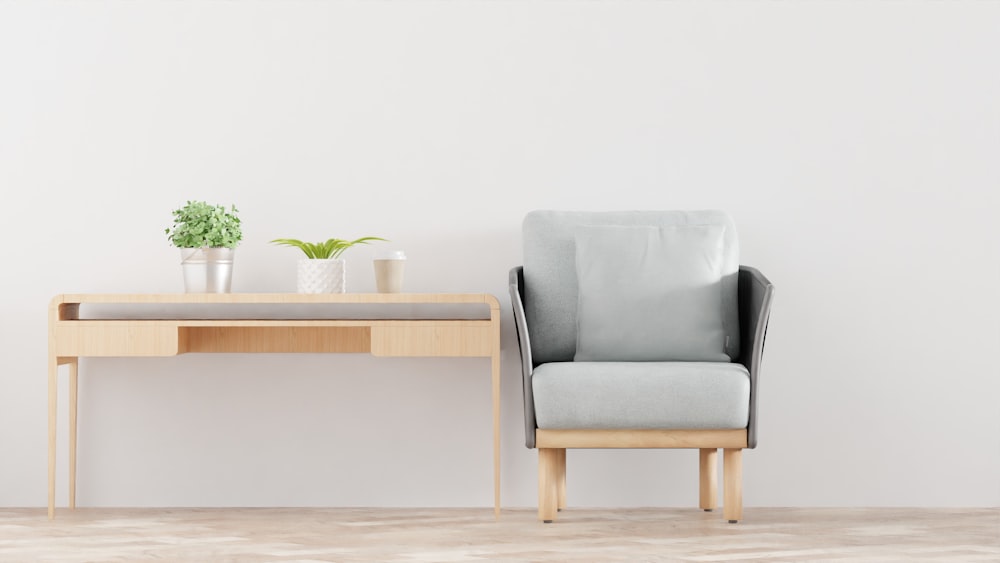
<point x="641" y="438"/>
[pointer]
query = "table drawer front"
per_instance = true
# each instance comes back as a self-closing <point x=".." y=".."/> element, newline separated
<point x="121" y="338"/>
<point x="451" y="339"/>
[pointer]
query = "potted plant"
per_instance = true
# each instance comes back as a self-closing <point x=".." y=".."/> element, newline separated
<point x="207" y="236"/>
<point x="322" y="270"/>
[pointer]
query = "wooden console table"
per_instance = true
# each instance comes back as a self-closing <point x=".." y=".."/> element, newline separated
<point x="72" y="337"/>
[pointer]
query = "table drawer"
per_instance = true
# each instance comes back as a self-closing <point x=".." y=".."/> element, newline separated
<point x="447" y="338"/>
<point x="118" y="338"/>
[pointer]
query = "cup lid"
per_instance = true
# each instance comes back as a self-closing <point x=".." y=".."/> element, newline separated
<point x="391" y="255"/>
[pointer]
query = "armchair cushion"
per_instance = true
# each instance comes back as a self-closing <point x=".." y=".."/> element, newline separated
<point x="641" y="395"/>
<point x="650" y="293"/>
<point x="550" y="284"/>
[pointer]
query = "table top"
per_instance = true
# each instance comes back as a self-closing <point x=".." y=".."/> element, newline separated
<point x="276" y="298"/>
<point x="273" y="306"/>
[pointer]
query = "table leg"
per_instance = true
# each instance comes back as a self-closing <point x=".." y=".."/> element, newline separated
<point x="53" y="390"/>
<point x="73" y="373"/>
<point x="496" y="432"/>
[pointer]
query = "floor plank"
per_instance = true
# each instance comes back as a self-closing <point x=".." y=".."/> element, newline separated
<point x="415" y="535"/>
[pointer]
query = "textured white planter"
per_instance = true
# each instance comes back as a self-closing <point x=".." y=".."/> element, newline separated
<point x="321" y="276"/>
<point x="207" y="270"/>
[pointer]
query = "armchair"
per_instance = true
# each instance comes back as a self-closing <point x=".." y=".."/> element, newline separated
<point x="639" y="329"/>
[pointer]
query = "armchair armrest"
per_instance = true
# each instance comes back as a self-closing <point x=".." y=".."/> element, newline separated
<point x="524" y="346"/>
<point x="755" y="293"/>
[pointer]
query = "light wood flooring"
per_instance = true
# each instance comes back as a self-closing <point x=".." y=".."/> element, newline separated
<point x="444" y="534"/>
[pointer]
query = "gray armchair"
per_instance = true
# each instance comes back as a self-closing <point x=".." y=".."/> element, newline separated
<point x="639" y="329"/>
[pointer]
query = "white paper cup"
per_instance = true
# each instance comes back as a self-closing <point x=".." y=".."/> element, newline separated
<point x="389" y="272"/>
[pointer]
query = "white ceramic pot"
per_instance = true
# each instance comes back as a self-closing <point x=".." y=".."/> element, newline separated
<point x="207" y="270"/>
<point x="321" y="276"/>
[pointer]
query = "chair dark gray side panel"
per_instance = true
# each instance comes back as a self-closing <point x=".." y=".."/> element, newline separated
<point x="524" y="344"/>
<point x="755" y="293"/>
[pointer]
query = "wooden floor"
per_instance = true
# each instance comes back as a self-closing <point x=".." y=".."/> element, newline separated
<point x="411" y="535"/>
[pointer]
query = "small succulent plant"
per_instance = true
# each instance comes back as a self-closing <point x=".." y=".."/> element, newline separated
<point x="328" y="250"/>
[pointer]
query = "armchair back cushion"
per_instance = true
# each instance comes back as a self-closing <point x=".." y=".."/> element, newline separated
<point x="551" y="284"/>
<point x="650" y="294"/>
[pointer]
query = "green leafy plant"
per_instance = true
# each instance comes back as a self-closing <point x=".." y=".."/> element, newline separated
<point x="331" y="249"/>
<point x="200" y="225"/>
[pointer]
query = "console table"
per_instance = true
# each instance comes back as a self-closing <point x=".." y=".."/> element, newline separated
<point x="208" y="330"/>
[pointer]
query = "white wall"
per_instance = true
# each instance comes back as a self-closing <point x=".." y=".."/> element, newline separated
<point x="856" y="145"/>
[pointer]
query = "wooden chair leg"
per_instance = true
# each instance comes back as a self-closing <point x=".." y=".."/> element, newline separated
<point x="561" y="497"/>
<point x="548" y="483"/>
<point x="732" y="475"/>
<point x="708" y="480"/>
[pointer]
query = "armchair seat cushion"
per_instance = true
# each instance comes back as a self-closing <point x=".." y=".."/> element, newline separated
<point x="641" y="395"/>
